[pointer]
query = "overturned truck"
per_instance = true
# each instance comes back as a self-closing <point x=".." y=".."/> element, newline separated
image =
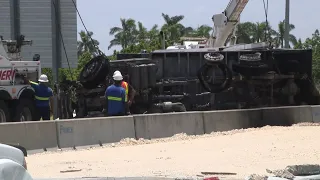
<point x="198" y="79"/>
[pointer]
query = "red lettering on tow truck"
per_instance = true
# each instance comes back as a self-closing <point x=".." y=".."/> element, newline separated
<point x="7" y="74"/>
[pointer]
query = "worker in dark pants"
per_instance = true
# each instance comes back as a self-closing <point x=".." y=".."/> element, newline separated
<point x="115" y="97"/>
<point x="43" y="97"/>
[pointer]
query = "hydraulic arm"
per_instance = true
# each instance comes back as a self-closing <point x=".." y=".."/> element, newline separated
<point x="226" y="22"/>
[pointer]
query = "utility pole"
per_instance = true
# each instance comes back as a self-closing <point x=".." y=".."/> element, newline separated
<point x="15" y="19"/>
<point x="286" y="25"/>
<point x="56" y="49"/>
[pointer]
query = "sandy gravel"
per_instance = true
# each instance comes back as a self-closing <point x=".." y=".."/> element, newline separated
<point x="240" y="151"/>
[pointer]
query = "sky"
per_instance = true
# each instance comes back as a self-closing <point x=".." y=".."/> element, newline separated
<point x="101" y="15"/>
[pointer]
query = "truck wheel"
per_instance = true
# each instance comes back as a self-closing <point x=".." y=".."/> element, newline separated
<point x="94" y="72"/>
<point x="4" y="112"/>
<point x="25" y="111"/>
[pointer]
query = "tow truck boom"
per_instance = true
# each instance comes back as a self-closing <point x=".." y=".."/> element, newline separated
<point x="226" y="22"/>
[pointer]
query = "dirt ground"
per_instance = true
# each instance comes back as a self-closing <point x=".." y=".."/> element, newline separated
<point x="240" y="151"/>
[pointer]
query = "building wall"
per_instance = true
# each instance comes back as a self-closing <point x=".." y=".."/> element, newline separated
<point x="36" y="24"/>
<point x="69" y="32"/>
<point x="5" y="25"/>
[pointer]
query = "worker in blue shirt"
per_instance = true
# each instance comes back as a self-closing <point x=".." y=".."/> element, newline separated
<point x="115" y="97"/>
<point x="43" y="97"/>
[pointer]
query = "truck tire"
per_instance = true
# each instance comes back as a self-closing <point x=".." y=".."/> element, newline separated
<point x="25" y="111"/>
<point x="4" y="112"/>
<point x="94" y="72"/>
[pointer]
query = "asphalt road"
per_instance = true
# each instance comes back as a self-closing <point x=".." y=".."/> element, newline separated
<point x="134" y="178"/>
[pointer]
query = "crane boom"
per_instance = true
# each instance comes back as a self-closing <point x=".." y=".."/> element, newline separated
<point x="234" y="9"/>
<point x="226" y="22"/>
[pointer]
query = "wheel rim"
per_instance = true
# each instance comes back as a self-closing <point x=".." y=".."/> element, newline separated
<point x="90" y="69"/>
<point x="2" y="116"/>
<point x="25" y="115"/>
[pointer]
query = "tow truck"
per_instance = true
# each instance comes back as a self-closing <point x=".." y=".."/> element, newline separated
<point x="17" y="98"/>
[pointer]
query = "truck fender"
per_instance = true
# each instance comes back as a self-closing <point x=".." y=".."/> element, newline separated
<point x="26" y="92"/>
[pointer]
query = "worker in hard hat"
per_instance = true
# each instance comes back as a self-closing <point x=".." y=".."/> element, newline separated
<point x="43" y="97"/>
<point x="115" y="97"/>
<point x="130" y="92"/>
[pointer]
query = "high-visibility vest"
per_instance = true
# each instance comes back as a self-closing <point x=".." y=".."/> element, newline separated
<point x="39" y="98"/>
<point x="42" y="98"/>
<point x="113" y="98"/>
<point x="126" y="87"/>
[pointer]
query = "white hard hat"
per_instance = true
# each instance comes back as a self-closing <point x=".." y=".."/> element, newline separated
<point x="117" y="76"/>
<point x="117" y="72"/>
<point x="43" y="78"/>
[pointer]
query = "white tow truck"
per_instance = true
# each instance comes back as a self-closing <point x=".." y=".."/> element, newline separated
<point x="16" y="97"/>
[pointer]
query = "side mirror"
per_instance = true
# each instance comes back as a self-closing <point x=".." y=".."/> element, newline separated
<point x="24" y="150"/>
<point x="36" y="57"/>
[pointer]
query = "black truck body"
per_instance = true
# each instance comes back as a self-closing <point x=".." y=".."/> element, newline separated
<point x="187" y="80"/>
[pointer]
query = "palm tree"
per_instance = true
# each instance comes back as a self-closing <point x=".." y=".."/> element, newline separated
<point x="203" y="31"/>
<point x="245" y="32"/>
<point x="124" y="35"/>
<point x="187" y="31"/>
<point x="279" y="39"/>
<point x="142" y="32"/>
<point x="259" y="32"/>
<point x="262" y="32"/>
<point x="299" y="44"/>
<point x="249" y="32"/>
<point x="153" y="33"/>
<point x="172" y="28"/>
<point x="86" y="43"/>
<point x="154" y="38"/>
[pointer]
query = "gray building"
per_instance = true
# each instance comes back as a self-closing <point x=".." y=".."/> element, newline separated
<point x="38" y="20"/>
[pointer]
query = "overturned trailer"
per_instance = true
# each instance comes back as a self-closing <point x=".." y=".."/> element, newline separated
<point x="200" y="79"/>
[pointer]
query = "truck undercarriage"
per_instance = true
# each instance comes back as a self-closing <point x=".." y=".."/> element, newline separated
<point x="197" y="79"/>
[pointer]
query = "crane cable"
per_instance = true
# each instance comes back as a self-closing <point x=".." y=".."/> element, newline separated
<point x="92" y="41"/>
<point x="266" y="9"/>
<point x="62" y="41"/>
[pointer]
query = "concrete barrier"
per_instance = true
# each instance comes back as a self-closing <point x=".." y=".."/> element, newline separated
<point x="31" y="135"/>
<point x="230" y="119"/>
<point x="315" y="113"/>
<point x="166" y="125"/>
<point x="94" y="131"/>
<point x="286" y="116"/>
<point x="82" y="132"/>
